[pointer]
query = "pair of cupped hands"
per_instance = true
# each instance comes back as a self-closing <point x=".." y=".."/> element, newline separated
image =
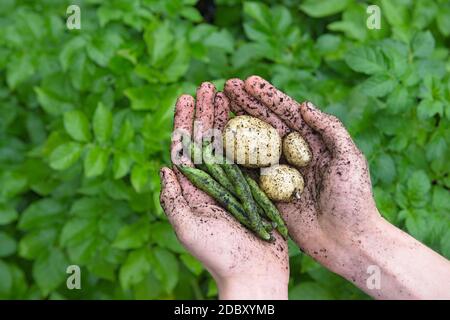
<point x="336" y="206"/>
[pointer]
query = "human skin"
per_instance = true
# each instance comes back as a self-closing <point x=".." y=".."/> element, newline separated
<point x="336" y="221"/>
<point x="243" y="266"/>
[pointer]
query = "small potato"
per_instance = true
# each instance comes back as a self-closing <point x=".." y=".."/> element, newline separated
<point x="281" y="183"/>
<point x="251" y="142"/>
<point x="296" y="150"/>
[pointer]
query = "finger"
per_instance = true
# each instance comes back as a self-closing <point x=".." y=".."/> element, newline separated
<point x="237" y="110"/>
<point x="286" y="108"/>
<point x="190" y="192"/>
<point x="234" y="89"/>
<point x="281" y="104"/>
<point x="204" y="113"/>
<point x="221" y="111"/>
<point x="182" y="128"/>
<point x="172" y="201"/>
<point x="333" y="132"/>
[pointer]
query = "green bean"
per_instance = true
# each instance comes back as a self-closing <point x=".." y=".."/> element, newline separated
<point x="206" y="183"/>
<point x="269" y="208"/>
<point x="245" y="195"/>
<point x="215" y="170"/>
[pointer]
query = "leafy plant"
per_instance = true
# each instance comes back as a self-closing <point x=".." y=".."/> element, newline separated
<point x="85" y="123"/>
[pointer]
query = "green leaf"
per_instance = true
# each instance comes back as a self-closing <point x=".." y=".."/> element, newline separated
<point x="396" y="13"/>
<point x="65" y="155"/>
<point x="77" y="125"/>
<point x="36" y="242"/>
<point x="135" y="268"/>
<point x="8" y="245"/>
<point x="121" y="165"/>
<point x="399" y="100"/>
<point x="386" y="169"/>
<point x="19" y="69"/>
<point x="102" y="123"/>
<point x="419" y="186"/>
<point x="191" y="13"/>
<point x="423" y="44"/>
<point x="7" y="214"/>
<point x="41" y="213"/>
<point x="139" y="177"/>
<point x="125" y="136"/>
<point x="95" y="162"/>
<point x="132" y="236"/>
<point x="6" y="280"/>
<point x="159" y="40"/>
<point x="49" y="270"/>
<point x="365" y="59"/>
<point x="427" y="108"/>
<point x="443" y="22"/>
<point x="166" y="268"/>
<point x="378" y="85"/>
<point x="309" y="291"/>
<point x="323" y="8"/>
<point x="192" y="264"/>
<point x="142" y="98"/>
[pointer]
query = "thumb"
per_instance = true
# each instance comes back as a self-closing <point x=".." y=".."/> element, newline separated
<point x="171" y="198"/>
<point x="333" y="132"/>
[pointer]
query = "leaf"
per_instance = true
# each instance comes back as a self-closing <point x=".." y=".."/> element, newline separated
<point x="378" y="85"/>
<point x="396" y="14"/>
<point x="399" y="100"/>
<point x="366" y="60"/>
<point x="443" y="22"/>
<point x="41" y="213"/>
<point x="423" y="44"/>
<point x="309" y="291"/>
<point x="95" y="162"/>
<point x="132" y="236"/>
<point x="427" y="108"/>
<point x="135" y="268"/>
<point x="49" y="270"/>
<point x="125" y="136"/>
<point x="6" y="280"/>
<point x="121" y="165"/>
<point x="139" y="177"/>
<point x="386" y="169"/>
<point x="77" y="125"/>
<point x="166" y="268"/>
<point x="65" y="155"/>
<point x="102" y="123"/>
<point x="142" y="98"/>
<point x="192" y="264"/>
<point x="8" y="245"/>
<point x="159" y="41"/>
<point x="323" y="8"/>
<point x="7" y="214"/>
<point x="19" y="69"/>
<point x="419" y="186"/>
<point x="36" y="242"/>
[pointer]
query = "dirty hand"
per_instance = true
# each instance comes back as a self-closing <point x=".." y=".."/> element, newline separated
<point x="336" y="221"/>
<point x="243" y="266"/>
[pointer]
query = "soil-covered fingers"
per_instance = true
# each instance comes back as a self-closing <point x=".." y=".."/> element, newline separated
<point x="331" y="129"/>
<point x="234" y="89"/>
<point x="172" y="201"/>
<point x="182" y="128"/>
<point x="204" y="111"/>
<point x="286" y="108"/>
<point x="221" y="111"/>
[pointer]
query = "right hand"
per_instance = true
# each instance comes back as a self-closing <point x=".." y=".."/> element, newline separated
<point x="337" y="202"/>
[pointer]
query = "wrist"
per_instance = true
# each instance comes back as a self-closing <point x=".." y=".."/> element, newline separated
<point x="268" y="287"/>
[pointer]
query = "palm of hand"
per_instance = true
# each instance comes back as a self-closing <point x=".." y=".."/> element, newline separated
<point x="210" y="233"/>
<point x="337" y="183"/>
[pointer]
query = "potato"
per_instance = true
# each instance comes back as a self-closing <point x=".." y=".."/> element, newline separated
<point x="296" y="150"/>
<point x="251" y="142"/>
<point x="281" y="183"/>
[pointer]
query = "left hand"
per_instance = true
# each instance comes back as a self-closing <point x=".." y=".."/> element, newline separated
<point x="244" y="266"/>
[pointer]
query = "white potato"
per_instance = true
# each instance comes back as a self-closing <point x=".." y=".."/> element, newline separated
<point x="251" y="142"/>
<point x="296" y="150"/>
<point x="281" y="183"/>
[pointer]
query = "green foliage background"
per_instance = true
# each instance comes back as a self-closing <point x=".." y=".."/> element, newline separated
<point x="86" y="116"/>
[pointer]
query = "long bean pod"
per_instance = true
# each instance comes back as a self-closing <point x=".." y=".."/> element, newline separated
<point x="267" y="205"/>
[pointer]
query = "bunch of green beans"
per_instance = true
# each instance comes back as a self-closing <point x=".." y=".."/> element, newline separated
<point x="236" y="191"/>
